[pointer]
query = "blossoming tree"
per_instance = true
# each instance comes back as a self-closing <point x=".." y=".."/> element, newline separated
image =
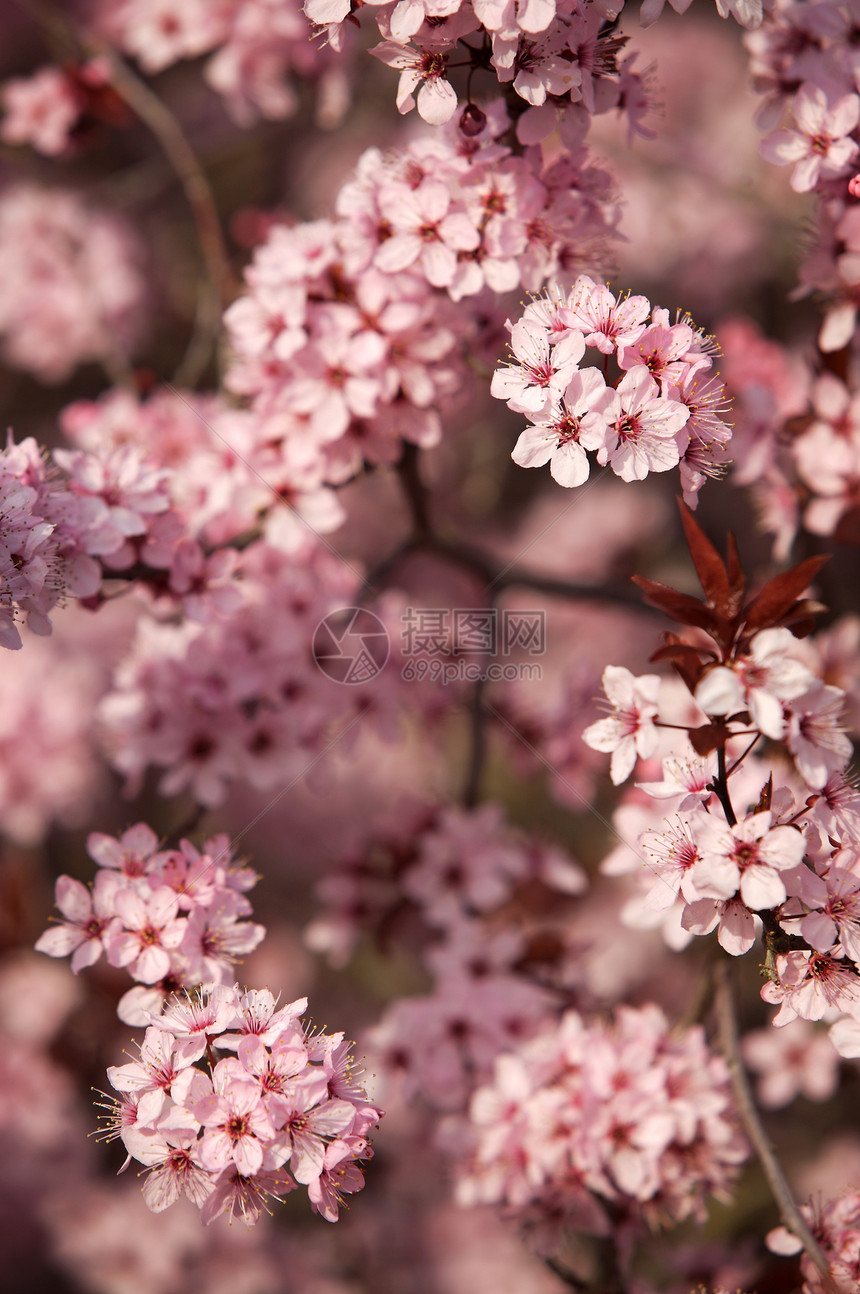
<point x="280" y="336"/>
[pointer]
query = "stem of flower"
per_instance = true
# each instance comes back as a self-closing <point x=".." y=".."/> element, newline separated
<point x="730" y="1042"/>
<point x="721" y="787"/>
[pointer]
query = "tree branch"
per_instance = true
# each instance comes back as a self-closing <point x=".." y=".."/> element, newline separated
<point x="730" y="1042"/>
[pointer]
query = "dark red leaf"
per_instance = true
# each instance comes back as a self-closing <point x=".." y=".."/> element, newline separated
<point x="710" y="567"/>
<point x="766" y="795"/>
<point x="708" y="738"/>
<point x="737" y="579"/>
<point x="682" y="653"/>
<point x="680" y="606"/>
<point x="848" y="527"/>
<point x="779" y="595"/>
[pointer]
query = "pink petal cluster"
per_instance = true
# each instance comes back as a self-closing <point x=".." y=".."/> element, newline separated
<point x="258" y="49"/>
<point x="182" y="476"/>
<point x="461" y="872"/>
<point x="284" y="1108"/>
<point x="72" y="286"/>
<point x="836" y="1226"/>
<point x="240" y="697"/>
<point x="661" y="411"/>
<point x="629" y="732"/>
<point x="170" y="917"/>
<point x="41" y="110"/>
<point x="454" y="865"/>
<point x="804" y="61"/>
<point x="556" y="54"/>
<point x="347" y="342"/>
<point x="624" y="1113"/>
<point x="810" y="478"/>
<point x="46" y="541"/>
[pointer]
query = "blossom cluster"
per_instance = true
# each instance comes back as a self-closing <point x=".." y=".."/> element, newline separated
<point x="53" y="109"/>
<point x="72" y="283"/>
<point x="757" y="847"/>
<point x="221" y="478"/>
<point x="258" y="49"/>
<point x="241" y="698"/>
<point x="113" y="505"/>
<point x="452" y="864"/>
<point x="462" y="873"/>
<point x="560" y="57"/>
<point x="803" y="62"/>
<point x="662" y="411"/>
<point x="47" y="541"/>
<point x="347" y="341"/>
<point x="799" y="423"/>
<point x="624" y="1113"/>
<point x="798" y="436"/>
<point x="836" y="1226"/>
<point x="169" y="917"/>
<point x="286" y="1109"/>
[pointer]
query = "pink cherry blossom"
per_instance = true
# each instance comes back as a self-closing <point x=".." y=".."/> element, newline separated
<point x="634" y="429"/>
<point x="820" y="145"/>
<point x="629" y="732"/>
<point x="425" y="67"/>
<point x="555" y="439"/>
<point x="92" y="922"/>
<point x="747" y="858"/>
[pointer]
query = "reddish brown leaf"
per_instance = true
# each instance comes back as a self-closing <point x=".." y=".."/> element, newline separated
<point x="848" y="527"/>
<point x="779" y="595"/>
<point x="737" y="579"/>
<point x="710" y="737"/>
<point x="710" y="567"/>
<point x="766" y="795"/>
<point x="680" y="606"/>
<point x="687" y="661"/>
<point x="682" y="653"/>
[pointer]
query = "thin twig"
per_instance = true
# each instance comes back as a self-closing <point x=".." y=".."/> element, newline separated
<point x="730" y="1042"/>
<point x="216" y="285"/>
<point x="566" y="1275"/>
<point x="477" y="745"/>
<point x="416" y="493"/>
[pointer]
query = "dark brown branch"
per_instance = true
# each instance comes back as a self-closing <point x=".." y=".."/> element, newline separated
<point x="216" y="285"/>
<point x="749" y="1115"/>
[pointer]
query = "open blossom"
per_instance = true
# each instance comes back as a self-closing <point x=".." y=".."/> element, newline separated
<point x="629" y="732"/>
<point x="759" y="682"/>
<point x="815" y="734"/>
<point x="542" y="372"/>
<point x="166" y="916"/>
<point x="821" y="143"/>
<point x="634" y="429"/>
<point x="555" y="440"/>
<point x="798" y="1060"/>
<point x="809" y="984"/>
<point x="264" y="1120"/>
<point x="606" y="322"/>
<point x="90" y="922"/>
<point x="41" y="110"/>
<point x="425" y="227"/>
<point x="425" y="67"/>
<point x="623" y="1112"/>
<point x="747" y="858"/>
